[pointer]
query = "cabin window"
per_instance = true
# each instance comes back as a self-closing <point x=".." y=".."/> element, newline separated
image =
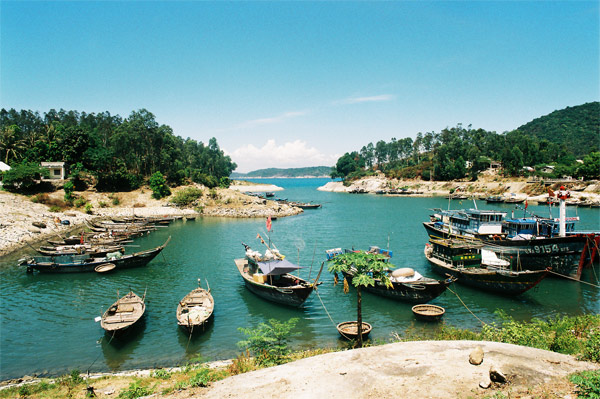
<point x="56" y="172"/>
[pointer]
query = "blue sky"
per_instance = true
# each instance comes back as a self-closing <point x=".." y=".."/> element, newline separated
<point x="291" y="84"/>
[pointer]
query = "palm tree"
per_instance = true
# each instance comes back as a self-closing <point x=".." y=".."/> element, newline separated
<point x="365" y="268"/>
<point x="10" y="142"/>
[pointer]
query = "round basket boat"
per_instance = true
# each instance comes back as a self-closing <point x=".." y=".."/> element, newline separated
<point x="428" y="312"/>
<point x="105" y="267"/>
<point x="349" y="329"/>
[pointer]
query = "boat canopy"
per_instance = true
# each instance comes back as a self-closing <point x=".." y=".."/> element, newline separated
<point x="277" y="267"/>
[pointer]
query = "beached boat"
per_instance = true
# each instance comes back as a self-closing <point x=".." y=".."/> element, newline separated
<point x="124" y="313"/>
<point x="473" y="265"/>
<point x="269" y="277"/>
<point x="85" y="263"/>
<point x="195" y="309"/>
<point x="79" y="249"/>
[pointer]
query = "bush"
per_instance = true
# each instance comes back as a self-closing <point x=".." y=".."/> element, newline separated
<point x="159" y="187"/>
<point x="68" y="187"/>
<point x="591" y="347"/>
<point x="79" y="202"/>
<point x="41" y="198"/>
<point x="88" y="208"/>
<point x="135" y="390"/>
<point x="186" y="196"/>
<point x="115" y="200"/>
<point x="161" y="374"/>
<point x="588" y="384"/>
<point x="268" y="342"/>
<point x="24" y="177"/>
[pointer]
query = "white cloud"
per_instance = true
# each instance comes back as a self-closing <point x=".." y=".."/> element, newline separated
<point x="293" y="154"/>
<point x="272" y="120"/>
<point x="370" y="99"/>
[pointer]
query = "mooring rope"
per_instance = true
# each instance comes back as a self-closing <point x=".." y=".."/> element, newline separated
<point x="330" y="318"/>
<point x="97" y="357"/>
<point x="574" y="279"/>
<point x="466" y="307"/>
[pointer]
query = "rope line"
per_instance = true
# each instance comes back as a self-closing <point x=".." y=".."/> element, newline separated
<point x="330" y="318"/>
<point x="97" y="357"/>
<point x="466" y="307"/>
<point x="574" y="279"/>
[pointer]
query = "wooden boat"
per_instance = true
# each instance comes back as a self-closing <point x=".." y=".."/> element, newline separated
<point x="79" y="249"/>
<point x="305" y="205"/>
<point x="124" y="313"/>
<point x="494" y="199"/>
<point x="408" y="285"/>
<point x="195" y="309"/>
<point x="463" y="260"/>
<point x="84" y="263"/>
<point x="427" y="312"/>
<point x="105" y="268"/>
<point x="413" y="287"/>
<point x="349" y="329"/>
<point x="268" y="277"/>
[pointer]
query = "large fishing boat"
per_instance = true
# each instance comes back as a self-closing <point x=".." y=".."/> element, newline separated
<point x="532" y="243"/>
<point x="473" y="265"/>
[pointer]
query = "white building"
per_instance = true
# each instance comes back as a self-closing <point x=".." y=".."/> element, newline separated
<point x="57" y="170"/>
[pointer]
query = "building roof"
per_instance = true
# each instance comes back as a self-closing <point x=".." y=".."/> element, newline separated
<point x="4" y="167"/>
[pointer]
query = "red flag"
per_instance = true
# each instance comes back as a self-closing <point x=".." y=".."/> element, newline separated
<point x="525" y="204"/>
<point x="81" y="239"/>
<point x="269" y="223"/>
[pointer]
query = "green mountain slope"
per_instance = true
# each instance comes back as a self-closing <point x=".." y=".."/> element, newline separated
<point x="313" y="171"/>
<point x="577" y="127"/>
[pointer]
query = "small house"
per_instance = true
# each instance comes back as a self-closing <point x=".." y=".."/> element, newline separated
<point x="57" y="170"/>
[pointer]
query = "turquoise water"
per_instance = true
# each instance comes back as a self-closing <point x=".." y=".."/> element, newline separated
<point x="47" y="321"/>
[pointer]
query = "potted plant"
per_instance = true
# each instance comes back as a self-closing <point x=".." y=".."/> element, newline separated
<point x="363" y="268"/>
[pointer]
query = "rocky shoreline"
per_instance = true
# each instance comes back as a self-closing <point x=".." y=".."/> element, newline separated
<point x="486" y="186"/>
<point x="19" y="213"/>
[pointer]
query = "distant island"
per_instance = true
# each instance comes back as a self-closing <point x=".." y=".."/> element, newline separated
<point x="312" y="171"/>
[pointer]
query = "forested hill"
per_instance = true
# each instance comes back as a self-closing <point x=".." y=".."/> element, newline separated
<point x="313" y="171"/>
<point x="577" y="127"/>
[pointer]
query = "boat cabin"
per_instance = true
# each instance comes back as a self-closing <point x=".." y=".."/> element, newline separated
<point x="536" y="227"/>
<point x="457" y="253"/>
<point x="477" y="222"/>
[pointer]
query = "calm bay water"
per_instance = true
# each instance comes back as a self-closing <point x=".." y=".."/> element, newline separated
<point x="47" y="321"/>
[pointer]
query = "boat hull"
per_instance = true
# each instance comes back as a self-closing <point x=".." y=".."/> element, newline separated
<point x="413" y="292"/>
<point x="497" y="281"/>
<point x="291" y="295"/>
<point x="82" y="263"/>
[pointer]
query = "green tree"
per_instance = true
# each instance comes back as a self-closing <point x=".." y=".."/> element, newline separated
<point x="365" y="268"/>
<point x="590" y="169"/>
<point x="24" y="177"/>
<point x="159" y="187"/>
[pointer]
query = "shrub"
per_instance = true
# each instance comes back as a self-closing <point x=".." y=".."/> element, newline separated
<point x="68" y="187"/>
<point x="115" y="200"/>
<point x="186" y="196"/>
<point x="88" y="208"/>
<point x="591" y="347"/>
<point x="161" y="374"/>
<point x="102" y="204"/>
<point x="159" y="187"/>
<point x="41" y="198"/>
<point x="79" y="202"/>
<point x="24" y="177"/>
<point x="55" y="208"/>
<point x="268" y="342"/>
<point x="588" y="384"/>
<point x="135" y="390"/>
